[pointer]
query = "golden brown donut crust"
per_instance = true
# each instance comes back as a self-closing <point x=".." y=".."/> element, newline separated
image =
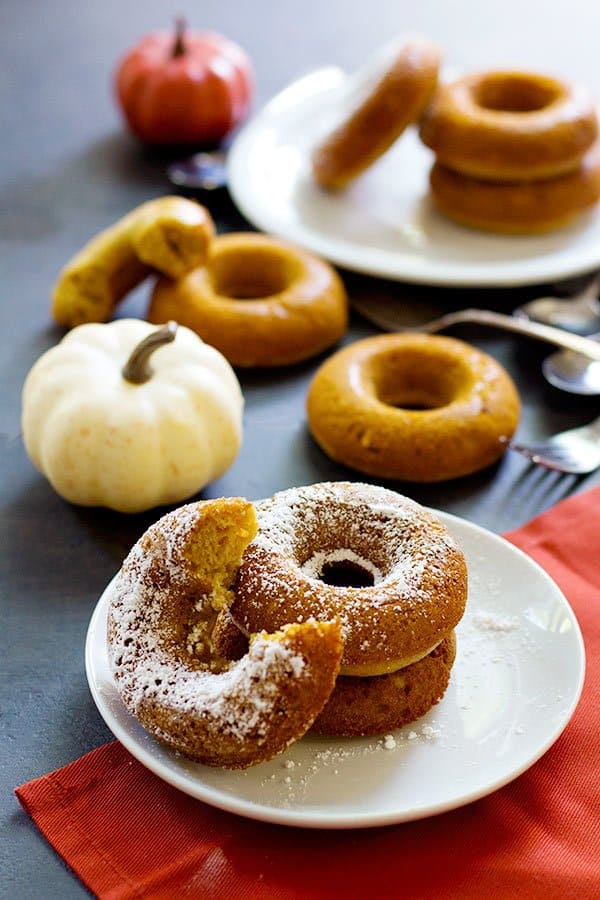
<point x="375" y="705"/>
<point x="532" y="207"/>
<point x="259" y="300"/>
<point x="398" y="99"/>
<point x="171" y="589"/>
<point x="510" y="126"/>
<point x="412" y="407"/>
<point x="169" y="235"/>
<point x="361" y="706"/>
<point x="419" y="586"/>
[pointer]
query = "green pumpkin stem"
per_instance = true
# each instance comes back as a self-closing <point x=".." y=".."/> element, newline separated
<point x="178" y="44"/>
<point x="137" y="369"/>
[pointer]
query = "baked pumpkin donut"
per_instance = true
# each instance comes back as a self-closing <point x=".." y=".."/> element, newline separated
<point x="510" y="126"/>
<point x="414" y="574"/>
<point x="526" y="207"/>
<point x="170" y="592"/>
<point x="404" y="81"/>
<point x="413" y="407"/>
<point x="379" y="703"/>
<point x="259" y="300"/>
<point x="376" y="705"/>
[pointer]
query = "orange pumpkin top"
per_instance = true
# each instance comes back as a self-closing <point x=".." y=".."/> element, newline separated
<point x="187" y="88"/>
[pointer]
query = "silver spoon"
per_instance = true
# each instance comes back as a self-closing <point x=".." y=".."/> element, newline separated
<point x="573" y="372"/>
<point x="199" y="172"/>
<point x="566" y="370"/>
<point x="579" y="313"/>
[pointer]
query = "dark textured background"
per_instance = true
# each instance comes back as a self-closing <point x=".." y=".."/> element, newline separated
<point x="68" y="170"/>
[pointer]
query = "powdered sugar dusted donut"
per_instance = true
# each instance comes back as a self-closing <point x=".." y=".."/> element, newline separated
<point x="171" y="592"/>
<point x="386" y="702"/>
<point x="414" y="577"/>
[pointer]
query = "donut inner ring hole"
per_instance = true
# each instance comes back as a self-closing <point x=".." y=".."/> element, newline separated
<point x="252" y="273"/>
<point x="515" y="93"/>
<point x="345" y="573"/>
<point x="410" y="380"/>
<point x="340" y="551"/>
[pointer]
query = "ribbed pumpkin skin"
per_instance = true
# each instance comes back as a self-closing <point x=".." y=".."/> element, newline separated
<point x="194" y="98"/>
<point x="103" y="441"/>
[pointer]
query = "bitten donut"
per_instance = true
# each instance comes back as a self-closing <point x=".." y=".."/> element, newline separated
<point x="259" y="300"/>
<point x="510" y="126"/>
<point x="361" y="706"/>
<point x="379" y="703"/>
<point x="414" y="574"/>
<point x="393" y="96"/>
<point x="169" y="594"/>
<point x="169" y="235"/>
<point x="413" y="407"/>
<point x="525" y="207"/>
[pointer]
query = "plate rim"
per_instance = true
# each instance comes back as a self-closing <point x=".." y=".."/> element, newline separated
<point x="322" y="820"/>
<point x="517" y="274"/>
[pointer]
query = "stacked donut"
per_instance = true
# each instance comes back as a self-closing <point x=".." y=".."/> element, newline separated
<point x="516" y="152"/>
<point x="384" y="567"/>
<point x="229" y="621"/>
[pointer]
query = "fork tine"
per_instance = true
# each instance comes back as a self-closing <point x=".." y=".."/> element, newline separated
<point x="547" y="463"/>
<point x="569" y="467"/>
<point x="558" y="458"/>
<point x="575" y="451"/>
<point x="556" y="451"/>
<point x="519" y="448"/>
<point x="528" y="449"/>
<point x="567" y="462"/>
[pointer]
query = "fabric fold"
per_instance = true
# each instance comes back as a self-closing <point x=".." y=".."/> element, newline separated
<point x="127" y="834"/>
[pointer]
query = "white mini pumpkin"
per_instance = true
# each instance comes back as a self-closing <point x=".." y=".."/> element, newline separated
<point x="130" y="431"/>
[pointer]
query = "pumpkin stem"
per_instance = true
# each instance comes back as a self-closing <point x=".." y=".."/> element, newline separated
<point x="179" y="45"/>
<point x="137" y="368"/>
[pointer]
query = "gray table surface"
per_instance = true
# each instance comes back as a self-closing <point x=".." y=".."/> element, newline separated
<point x="68" y="170"/>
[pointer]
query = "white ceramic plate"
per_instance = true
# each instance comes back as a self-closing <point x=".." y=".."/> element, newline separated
<point x="383" y="224"/>
<point x="515" y="684"/>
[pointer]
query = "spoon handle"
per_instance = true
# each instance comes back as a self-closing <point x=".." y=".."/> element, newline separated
<point x="547" y="333"/>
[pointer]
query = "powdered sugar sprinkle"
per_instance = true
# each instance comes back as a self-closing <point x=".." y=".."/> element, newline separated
<point x="144" y="663"/>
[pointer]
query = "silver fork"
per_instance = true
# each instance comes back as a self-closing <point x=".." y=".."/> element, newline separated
<point x="391" y="318"/>
<point x="576" y="451"/>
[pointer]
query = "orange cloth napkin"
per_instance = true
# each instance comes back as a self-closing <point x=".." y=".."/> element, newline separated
<point x="128" y="834"/>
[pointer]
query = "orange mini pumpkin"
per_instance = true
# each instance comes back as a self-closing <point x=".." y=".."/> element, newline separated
<point x="187" y="88"/>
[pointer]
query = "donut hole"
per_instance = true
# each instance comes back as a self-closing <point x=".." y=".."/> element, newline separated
<point x="251" y="273"/>
<point x="344" y="566"/>
<point x="415" y="401"/>
<point x="515" y="93"/>
<point x="411" y="380"/>
<point x="346" y="574"/>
